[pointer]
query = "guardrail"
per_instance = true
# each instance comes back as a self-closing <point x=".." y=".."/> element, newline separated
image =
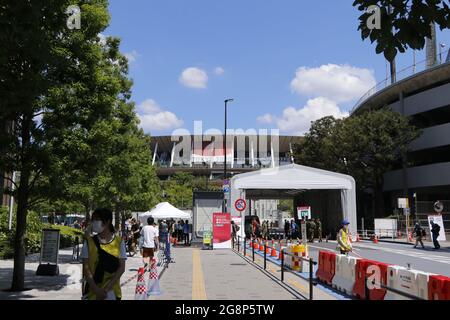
<point x="400" y="75"/>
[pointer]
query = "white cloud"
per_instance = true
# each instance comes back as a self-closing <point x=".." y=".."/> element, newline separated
<point x="340" y="83"/>
<point x="267" y="118"/>
<point x="194" y="78"/>
<point x="219" y="71"/>
<point x="132" y="56"/>
<point x="298" y="121"/>
<point x="154" y="118"/>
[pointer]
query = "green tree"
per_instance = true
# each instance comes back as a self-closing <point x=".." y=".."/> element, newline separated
<point x="179" y="189"/>
<point x="404" y="24"/>
<point x="45" y="65"/>
<point x="364" y="146"/>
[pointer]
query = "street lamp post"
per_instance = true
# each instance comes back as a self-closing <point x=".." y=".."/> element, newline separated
<point x="224" y="204"/>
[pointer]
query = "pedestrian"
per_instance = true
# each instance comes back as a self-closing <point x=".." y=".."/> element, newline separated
<point x="135" y="235"/>
<point x="419" y="232"/>
<point x="312" y="227"/>
<point x="293" y="229"/>
<point x="164" y="232"/>
<point x="319" y="229"/>
<point x="343" y="238"/>
<point x="150" y="243"/>
<point x="180" y="230"/>
<point x="287" y="229"/>
<point x="435" y="228"/>
<point x="234" y="229"/>
<point x="104" y="257"/>
<point x="254" y="227"/>
<point x="265" y="229"/>
<point x="186" y="233"/>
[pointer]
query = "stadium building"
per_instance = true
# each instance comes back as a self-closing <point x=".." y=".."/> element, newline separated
<point x="421" y="93"/>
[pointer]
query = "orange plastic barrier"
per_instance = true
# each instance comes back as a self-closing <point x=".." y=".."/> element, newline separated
<point x="438" y="288"/>
<point x="327" y="266"/>
<point x="359" y="289"/>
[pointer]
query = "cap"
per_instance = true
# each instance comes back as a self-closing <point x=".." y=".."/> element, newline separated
<point x="345" y="222"/>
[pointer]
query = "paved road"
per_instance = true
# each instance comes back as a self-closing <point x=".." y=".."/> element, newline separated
<point x="429" y="260"/>
<point x="216" y="275"/>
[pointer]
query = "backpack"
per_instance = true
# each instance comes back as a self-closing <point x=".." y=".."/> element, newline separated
<point x="423" y="232"/>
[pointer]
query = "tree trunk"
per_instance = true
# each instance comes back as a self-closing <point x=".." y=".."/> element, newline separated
<point x="116" y="217"/>
<point x="18" y="280"/>
<point x="379" y="199"/>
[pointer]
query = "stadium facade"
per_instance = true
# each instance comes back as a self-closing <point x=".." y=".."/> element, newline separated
<point x="423" y="95"/>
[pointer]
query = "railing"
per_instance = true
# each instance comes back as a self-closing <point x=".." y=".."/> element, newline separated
<point x="402" y="74"/>
<point x="312" y="281"/>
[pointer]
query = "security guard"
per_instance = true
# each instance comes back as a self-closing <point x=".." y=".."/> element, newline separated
<point x="343" y="239"/>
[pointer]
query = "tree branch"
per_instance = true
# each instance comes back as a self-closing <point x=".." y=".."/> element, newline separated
<point x="10" y="180"/>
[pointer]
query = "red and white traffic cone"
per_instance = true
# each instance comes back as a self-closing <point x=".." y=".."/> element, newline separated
<point x="141" y="288"/>
<point x="153" y="280"/>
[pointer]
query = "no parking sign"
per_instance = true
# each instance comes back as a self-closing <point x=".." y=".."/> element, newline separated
<point x="240" y="205"/>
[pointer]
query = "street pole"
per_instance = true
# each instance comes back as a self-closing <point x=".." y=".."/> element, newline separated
<point x="224" y="204"/>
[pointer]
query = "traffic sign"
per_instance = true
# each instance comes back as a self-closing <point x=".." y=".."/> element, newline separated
<point x="240" y="205"/>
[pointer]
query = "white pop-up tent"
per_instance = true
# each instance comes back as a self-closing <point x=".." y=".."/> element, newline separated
<point x="295" y="177"/>
<point x="164" y="210"/>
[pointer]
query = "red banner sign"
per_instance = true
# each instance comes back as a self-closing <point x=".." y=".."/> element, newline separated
<point x="221" y="230"/>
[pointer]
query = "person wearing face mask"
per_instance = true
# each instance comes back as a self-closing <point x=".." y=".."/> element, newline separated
<point x="343" y="238"/>
<point x="104" y="256"/>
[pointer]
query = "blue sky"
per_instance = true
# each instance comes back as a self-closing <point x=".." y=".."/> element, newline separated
<point x="285" y="62"/>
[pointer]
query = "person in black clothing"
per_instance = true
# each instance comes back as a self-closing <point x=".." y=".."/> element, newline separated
<point x="435" y="228"/>
<point x="419" y="232"/>
<point x="287" y="229"/>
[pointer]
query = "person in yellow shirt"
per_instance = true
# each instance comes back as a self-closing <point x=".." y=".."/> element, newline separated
<point x="344" y="243"/>
<point x="104" y="257"/>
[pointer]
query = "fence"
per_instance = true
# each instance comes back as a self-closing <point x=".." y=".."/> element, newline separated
<point x="312" y="281"/>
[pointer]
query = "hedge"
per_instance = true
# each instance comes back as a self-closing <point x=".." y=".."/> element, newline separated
<point x="33" y="234"/>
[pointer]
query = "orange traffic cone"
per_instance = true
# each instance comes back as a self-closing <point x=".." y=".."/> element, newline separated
<point x="261" y="247"/>
<point x="141" y="288"/>
<point x="280" y="254"/>
<point x="410" y="239"/>
<point x="255" y="245"/>
<point x="357" y="238"/>
<point x="274" y="251"/>
<point x="375" y="239"/>
<point x="267" y="248"/>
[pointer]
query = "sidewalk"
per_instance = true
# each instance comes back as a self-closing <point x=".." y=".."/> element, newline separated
<point x="216" y="275"/>
<point x="65" y="286"/>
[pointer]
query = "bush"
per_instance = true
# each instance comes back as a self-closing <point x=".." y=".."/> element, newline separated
<point x="33" y="234"/>
<point x="67" y="235"/>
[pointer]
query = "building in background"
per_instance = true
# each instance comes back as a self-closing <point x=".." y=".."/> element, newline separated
<point x="423" y="94"/>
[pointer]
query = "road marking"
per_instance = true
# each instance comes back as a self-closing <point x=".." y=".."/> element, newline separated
<point x="198" y="282"/>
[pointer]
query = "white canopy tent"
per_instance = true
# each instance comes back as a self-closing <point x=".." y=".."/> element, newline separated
<point x="296" y="177"/>
<point x="164" y="210"/>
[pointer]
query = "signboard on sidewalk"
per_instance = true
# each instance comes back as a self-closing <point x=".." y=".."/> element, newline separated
<point x="207" y="239"/>
<point x="221" y="230"/>
<point x="304" y="212"/>
<point x="438" y="220"/>
<point x="48" y="261"/>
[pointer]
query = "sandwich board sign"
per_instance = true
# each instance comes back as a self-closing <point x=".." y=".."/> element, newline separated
<point x="48" y="260"/>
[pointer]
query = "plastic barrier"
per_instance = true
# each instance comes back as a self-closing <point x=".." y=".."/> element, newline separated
<point x="327" y="266"/>
<point x="409" y="281"/>
<point x="344" y="278"/>
<point x="359" y="289"/>
<point x="438" y="288"/>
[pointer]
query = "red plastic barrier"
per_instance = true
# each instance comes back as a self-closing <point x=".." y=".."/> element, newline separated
<point x="327" y="266"/>
<point x="438" y="288"/>
<point x="359" y="289"/>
